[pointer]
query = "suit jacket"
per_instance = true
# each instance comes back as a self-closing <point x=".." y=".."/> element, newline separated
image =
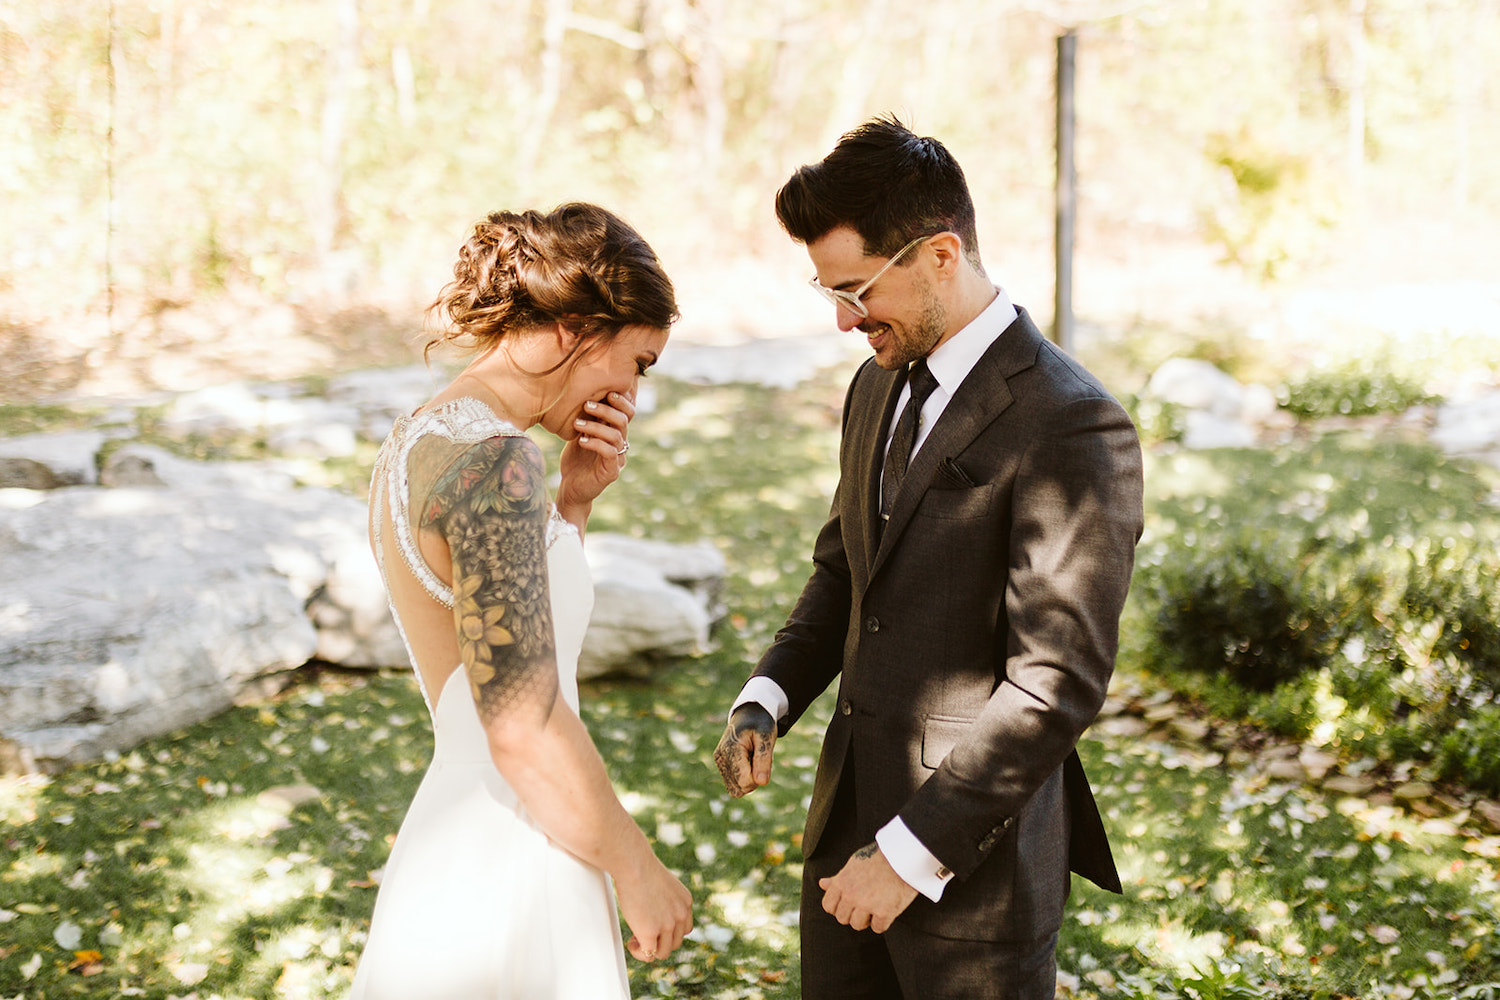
<point x="973" y="637"/>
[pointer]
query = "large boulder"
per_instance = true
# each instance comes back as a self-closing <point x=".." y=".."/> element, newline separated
<point x="1471" y="427"/>
<point x="125" y="613"/>
<point x="1218" y="411"/>
<point x="1198" y="385"/>
<point x="141" y="591"/>
<point x="160" y="598"/>
<point x="49" y="461"/>
<point x="651" y="599"/>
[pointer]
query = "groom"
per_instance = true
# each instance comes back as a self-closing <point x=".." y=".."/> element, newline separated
<point x="965" y="594"/>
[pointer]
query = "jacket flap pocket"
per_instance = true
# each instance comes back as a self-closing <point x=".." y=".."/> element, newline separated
<point x="939" y="735"/>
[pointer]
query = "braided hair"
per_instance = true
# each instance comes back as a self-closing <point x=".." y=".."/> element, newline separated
<point x="579" y="265"/>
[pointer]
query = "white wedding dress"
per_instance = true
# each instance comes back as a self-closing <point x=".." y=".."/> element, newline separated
<point x="475" y="901"/>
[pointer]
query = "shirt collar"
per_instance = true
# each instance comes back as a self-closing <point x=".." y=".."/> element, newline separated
<point x="952" y="361"/>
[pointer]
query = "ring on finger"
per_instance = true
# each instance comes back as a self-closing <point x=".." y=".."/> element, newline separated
<point x="623" y="448"/>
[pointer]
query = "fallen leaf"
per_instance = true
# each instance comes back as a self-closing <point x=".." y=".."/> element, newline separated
<point x="285" y="798"/>
<point x="189" y="973"/>
<point x="87" y="963"/>
<point x="68" y="935"/>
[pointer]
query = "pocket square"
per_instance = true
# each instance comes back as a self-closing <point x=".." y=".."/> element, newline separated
<point x="951" y="475"/>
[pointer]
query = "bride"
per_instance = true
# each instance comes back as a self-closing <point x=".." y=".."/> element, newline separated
<point x="502" y="881"/>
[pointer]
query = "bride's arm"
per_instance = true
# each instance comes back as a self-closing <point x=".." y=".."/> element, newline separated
<point x="492" y="507"/>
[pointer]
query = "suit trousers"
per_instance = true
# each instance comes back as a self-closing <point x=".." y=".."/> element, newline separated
<point x="904" y="963"/>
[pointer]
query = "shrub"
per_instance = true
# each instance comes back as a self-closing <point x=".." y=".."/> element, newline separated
<point x="1356" y="389"/>
<point x="1241" y="606"/>
<point x="1292" y="594"/>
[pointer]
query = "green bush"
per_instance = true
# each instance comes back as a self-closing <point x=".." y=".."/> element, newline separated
<point x="1239" y="604"/>
<point x="1292" y="593"/>
<point x="1356" y="389"/>
<point x="1157" y="421"/>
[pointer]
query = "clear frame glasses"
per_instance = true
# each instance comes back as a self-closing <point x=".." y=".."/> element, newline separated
<point x="851" y="300"/>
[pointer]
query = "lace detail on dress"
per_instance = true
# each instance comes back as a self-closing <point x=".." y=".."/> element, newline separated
<point x="559" y="528"/>
<point x="464" y="420"/>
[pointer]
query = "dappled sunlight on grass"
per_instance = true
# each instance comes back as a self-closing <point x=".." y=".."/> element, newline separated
<point x="238" y="858"/>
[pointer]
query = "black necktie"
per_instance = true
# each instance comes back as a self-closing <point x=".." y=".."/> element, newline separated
<point x="922" y="383"/>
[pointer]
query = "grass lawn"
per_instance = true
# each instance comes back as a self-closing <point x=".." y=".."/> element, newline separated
<point x="236" y="859"/>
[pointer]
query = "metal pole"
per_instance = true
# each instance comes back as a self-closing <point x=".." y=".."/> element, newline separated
<point x="1062" y="314"/>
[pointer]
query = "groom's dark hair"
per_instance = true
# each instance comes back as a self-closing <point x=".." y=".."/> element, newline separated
<point x="886" y="183"/>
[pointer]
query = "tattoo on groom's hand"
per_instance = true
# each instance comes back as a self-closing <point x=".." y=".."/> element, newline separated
<point x="744" y="753"/>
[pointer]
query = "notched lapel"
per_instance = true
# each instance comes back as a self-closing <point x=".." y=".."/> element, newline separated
<point x="868" y="431"/>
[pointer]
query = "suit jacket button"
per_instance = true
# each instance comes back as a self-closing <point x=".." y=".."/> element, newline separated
<point x="845" y="708"/>
<point x="987" y="843"/>
<point x="872" y="624"/>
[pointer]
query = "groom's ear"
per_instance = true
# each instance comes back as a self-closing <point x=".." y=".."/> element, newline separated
<point x="947" y="253"/>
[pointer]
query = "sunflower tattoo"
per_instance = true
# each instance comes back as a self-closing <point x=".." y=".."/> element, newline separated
<point x="491" y="505"/>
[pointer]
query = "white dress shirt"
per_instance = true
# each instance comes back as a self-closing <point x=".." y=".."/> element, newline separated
<point x="950" y="363"/>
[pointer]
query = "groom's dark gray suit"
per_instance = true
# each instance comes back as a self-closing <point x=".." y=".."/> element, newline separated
<point x="973" y="636"/>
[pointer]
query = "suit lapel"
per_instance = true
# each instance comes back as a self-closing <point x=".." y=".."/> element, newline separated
<point x="983" y="396"/>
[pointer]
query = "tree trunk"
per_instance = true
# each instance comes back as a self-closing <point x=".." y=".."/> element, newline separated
<point x="859" y="72"/>
<point x="342" y="66"/>
<point x="554" y="34"/>
<point x="1356" y="129"/>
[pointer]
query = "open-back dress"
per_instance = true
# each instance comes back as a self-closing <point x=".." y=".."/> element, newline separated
<point x="476" y="901"/>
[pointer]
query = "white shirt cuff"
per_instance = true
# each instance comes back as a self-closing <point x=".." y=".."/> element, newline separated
<point x="913" y="862"/>
<point x="766" y="693"/>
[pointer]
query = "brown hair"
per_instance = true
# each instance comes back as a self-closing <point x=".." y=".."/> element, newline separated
<point x="887" y="184"/>
<point x="579" y="265"/>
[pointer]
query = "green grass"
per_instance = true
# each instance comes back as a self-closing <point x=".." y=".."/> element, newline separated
<point x="169" y="865"/>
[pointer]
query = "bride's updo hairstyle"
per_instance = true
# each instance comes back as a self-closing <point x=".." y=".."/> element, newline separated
<point x="579" y="265"/>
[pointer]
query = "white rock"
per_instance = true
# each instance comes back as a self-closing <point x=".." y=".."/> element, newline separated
<point x="233" y="406"/>
<point x="1203" y="429"/>
<point x="137" y="464"/>
<point x="1470" y="427"/>
<point x="1198" y="385"/>
<point x="387" y="390"/>
<point x="700" y="568"/>
<point x="48" y="461"/>
<point x="294" y="425"/>
<point x="638" y="612"/>
<point x="125" y="613"/>
<point x="1260" y="406"/>
<point x="351" y="611"/>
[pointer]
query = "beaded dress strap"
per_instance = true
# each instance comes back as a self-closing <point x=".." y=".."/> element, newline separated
<point x="463" y="420"/>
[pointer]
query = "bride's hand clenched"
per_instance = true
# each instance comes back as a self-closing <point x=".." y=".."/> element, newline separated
<point x="593" y="459"/>
<point x="657" y="907"/>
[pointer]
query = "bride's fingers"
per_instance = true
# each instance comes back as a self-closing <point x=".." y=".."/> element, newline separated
<point x="603" y="448"/>
<point x="615" y="412"/>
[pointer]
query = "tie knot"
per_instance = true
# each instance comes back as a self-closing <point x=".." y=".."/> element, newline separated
<point x="922" y="381"/>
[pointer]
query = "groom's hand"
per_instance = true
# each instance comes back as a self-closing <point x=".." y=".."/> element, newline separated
<point x="744" y="753"/>
<point x="866" y="892"/>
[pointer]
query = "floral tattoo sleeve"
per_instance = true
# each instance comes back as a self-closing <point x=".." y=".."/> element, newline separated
<point x="491" y="506"/>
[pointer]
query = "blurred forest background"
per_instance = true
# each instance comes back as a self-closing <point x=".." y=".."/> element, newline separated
<point x="1304" y="192"/>
<point x="196" y="190"/>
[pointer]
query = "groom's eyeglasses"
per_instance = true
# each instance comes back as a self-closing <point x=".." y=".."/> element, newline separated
<point x="851" y="300"/>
